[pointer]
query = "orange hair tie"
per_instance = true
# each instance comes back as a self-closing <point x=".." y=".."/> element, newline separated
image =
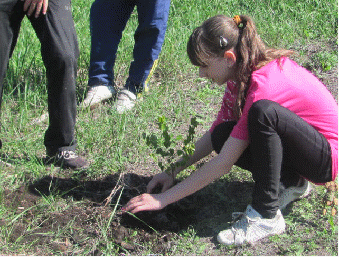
<point x="237" y="20"/>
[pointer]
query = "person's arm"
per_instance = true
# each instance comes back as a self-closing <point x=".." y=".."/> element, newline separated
<point x="218" y="166"/>
<point x="203" y="147"/>
<point x="39" y="6"/>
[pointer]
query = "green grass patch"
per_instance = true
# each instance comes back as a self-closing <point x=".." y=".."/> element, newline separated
<point x="62" y="224"/>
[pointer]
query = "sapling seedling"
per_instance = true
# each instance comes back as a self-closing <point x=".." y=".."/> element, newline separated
<point x="165" y="154"/>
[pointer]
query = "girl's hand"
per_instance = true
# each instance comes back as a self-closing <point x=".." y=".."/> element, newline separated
<point x="39" y="6"/>
<point x="144" y="202"/>
<point x="163" y="179"/>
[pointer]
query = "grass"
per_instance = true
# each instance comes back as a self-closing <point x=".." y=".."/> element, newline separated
<point x="114" y="143"/>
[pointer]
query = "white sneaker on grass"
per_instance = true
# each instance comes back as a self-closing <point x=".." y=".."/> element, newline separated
<point x="251" y="227"/>
<point x="125" y="101"/>
<point x="290" y="194"/>
<point x="98" y="94"/>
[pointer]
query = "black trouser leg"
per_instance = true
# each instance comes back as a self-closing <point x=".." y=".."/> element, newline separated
<point x="283" y="146"/>
<point x="11" y="15"/>
<point x="59" y="49"/>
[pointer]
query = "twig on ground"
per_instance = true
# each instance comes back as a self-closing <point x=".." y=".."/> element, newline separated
<point x="114" y="190"/>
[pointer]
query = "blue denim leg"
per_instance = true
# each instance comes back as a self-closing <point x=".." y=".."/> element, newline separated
<point x="108" y="19"/>
<point x="149" y="38"/>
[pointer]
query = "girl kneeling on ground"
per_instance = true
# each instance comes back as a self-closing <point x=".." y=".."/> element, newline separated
<point x="277" y="120"/>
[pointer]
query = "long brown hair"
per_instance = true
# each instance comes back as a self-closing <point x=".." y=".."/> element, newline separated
<point x="219" y="34"/>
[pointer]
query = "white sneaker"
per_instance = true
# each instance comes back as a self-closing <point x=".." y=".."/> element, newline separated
<point x="251" y="227"/>
<point x="97" y="94"/>
<point x="126" y="101"/>
<point x="290" y="194"/>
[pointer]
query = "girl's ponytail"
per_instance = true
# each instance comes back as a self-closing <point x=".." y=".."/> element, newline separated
<point x="250" y="52"/>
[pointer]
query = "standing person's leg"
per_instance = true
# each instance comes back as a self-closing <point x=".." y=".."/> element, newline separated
<point x="59" y="49"/>
<point x="108" y="19"/>
<point x="11" y="15"/>
<point x="149" y="38"/>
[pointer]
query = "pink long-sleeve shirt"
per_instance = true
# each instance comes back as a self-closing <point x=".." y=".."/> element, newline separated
<point x="293" y="87"/>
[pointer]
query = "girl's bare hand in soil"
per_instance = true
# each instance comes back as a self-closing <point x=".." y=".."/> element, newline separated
<point x="163" y="179"/>
<point x="144" y="202"/>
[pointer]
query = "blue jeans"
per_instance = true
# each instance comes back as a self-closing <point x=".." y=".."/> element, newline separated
<point x="108" y="19"/>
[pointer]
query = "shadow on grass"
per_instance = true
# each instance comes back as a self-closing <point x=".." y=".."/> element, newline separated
<point x="207" y="211"/>
<point x="203" y="214"/>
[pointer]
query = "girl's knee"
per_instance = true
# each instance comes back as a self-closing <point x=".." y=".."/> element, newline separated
<point x="261" y="106"/>
<point x="262" y="111"/>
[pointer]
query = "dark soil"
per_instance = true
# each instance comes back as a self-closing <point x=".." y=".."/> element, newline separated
<point x="160" y="226"/>
<point x="78" y="228"/>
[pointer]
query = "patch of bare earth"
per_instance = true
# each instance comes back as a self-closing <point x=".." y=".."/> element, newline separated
<point x="84" y="224"/>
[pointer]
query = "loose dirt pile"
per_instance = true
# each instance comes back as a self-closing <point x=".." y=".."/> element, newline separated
<point x="89" y="218"/>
